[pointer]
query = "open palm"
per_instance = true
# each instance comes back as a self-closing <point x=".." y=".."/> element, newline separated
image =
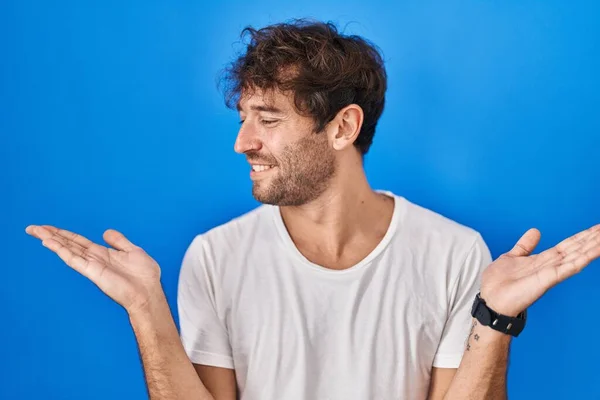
<point x="125" y="272"/>
<point x="517" y="279"/>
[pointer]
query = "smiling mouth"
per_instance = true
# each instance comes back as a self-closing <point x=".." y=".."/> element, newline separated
<point x="262" y="167"/>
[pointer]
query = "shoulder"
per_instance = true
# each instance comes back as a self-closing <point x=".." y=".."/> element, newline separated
<point x="438" y="245"/>
<point x="238" y="229"/>
<point x="222" y="258"/>
<point x="228" y="242"/>
<point x="444" y="251"/>
<point x="425" y="226"/>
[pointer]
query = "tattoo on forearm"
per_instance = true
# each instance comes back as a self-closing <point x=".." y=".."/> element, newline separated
<point x="471" y="333"/>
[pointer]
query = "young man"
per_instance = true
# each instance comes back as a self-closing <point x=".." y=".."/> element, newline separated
<point x="330" y="290"/>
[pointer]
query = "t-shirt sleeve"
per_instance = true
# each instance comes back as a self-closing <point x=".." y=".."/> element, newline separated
<point x="202" y="330"/>
<point x="462" y="293"/>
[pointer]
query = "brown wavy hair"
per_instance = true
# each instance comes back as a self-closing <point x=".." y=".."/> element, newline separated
<point x="325" y="69"/>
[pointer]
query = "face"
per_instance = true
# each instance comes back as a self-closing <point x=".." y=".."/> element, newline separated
<point x="291" y="165"/>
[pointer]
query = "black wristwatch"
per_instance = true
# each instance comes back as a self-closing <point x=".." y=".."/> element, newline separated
<point x="501" y="323"/>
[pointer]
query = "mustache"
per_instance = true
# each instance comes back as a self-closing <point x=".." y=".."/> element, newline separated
<point x="253" y="156"/>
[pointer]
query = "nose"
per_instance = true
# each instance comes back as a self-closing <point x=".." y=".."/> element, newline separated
<point x="247" y="139"/>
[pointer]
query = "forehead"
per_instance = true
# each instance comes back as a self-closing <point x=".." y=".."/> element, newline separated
<point x="265" y="100"/>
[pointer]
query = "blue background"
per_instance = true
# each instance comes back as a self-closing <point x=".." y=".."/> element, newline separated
<point x="110" y="117"/>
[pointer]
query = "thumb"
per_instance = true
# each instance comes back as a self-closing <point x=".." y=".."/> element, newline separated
<point x="117" y="240"/>
<point x="526" y="244"/>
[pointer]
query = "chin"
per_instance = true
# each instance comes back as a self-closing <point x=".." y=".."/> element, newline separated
<point x="261" y="193"/>
<point x="283" y="193"/>
<point x="281" y="199"/>
<point x="267" y="196"/>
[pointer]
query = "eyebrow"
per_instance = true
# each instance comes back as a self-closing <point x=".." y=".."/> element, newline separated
<point x="265" y="108"/>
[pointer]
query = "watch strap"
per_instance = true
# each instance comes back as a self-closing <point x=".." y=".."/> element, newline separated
<point x="501" y="323"/>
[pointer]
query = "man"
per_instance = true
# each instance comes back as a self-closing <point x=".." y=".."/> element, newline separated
<point x="330" y="290"/>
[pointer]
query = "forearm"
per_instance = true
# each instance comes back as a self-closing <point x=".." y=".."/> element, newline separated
<point x="168" y="371"/>
<point x="482" y="371"/>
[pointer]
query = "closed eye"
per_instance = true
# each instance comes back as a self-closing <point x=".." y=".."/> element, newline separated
<point x="268" y="121"/>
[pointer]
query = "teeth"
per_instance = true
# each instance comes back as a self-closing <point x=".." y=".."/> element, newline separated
<point x="260" y="168"/>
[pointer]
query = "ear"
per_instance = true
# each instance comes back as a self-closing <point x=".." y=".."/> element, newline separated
<point x="345" y="127"/>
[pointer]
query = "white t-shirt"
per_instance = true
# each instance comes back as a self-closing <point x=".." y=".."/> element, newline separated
<point x="249" y="300"/>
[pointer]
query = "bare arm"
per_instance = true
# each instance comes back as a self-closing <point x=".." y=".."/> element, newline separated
<point x="220" y="382"/>
<point x="167" y="368"/>
<point x="441" y="378"/>
<point x="482" y="371"/>
<point x="132" y="278"/>
<point x="510" y="285"/>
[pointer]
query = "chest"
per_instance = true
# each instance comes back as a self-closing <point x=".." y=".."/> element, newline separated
<point x="286" y="324"/>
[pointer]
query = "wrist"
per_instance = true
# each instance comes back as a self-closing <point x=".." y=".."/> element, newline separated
<point x="154" y="304"/>
<point x="487" y="335"/>
<point x="501" y="307"/>
<point x="497" y="321"/>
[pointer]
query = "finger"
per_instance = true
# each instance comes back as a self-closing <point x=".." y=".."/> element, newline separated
<point x="80" y="245"/>
<point x="41" y="232"/>
<point x="61" y="237"/>
<point x="74" y="247"/>
<point x="593" y="243"/>
<point x="50" y="228"/>
<point x="578" y="239"/>
<point x="590" y="243"/>
<point x="571" y="245"/>
<point x="590" y="239"/>
<point x="117" y="240"/>
<point x="33" y="230"/>
<point x="75" y="240"/>
<point x="526" y="244"/>
<point x="552" y="275"/>
<point x="590" y="250"/>
<point x="74" y="237"/>
<point x="79" y="264"/>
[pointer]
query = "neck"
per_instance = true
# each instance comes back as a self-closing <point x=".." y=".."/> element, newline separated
<point x="347" y="220"/>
